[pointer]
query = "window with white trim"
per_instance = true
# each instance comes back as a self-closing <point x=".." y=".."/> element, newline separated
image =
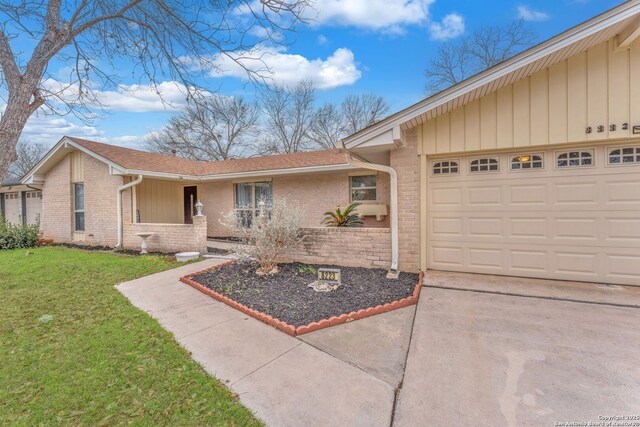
<point x="485" y="164"/>
<point x="250" y="198"/>
<point x="527" y="162"/>
<point x="363" y="188"/>
<point x="78" y="206"/>
<point x="624" y="155"/>
<point x="577" y="158"/>
<point x="446" y="167"/>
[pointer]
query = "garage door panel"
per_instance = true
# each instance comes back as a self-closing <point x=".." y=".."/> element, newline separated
<point x="578" y="224"/>
<point x="527" y="195"/>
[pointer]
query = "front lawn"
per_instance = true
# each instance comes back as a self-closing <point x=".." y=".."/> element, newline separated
<point x="73" y="350"/>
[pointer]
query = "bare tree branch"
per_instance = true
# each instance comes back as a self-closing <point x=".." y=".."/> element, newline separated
<point x="218" y="129"/>
<point x="486" y="47"/>
<point x="28" y="155"/>
<point x="160" y="39"/>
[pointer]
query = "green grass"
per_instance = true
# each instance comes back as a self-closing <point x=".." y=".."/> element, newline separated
<point x="98" y="360"/>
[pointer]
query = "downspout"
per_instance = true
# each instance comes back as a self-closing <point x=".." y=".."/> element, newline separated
<point x="119" y="203"/>
<point x="393" y="271"/>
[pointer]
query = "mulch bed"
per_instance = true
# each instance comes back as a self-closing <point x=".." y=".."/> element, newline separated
<point x="286" y="301"/>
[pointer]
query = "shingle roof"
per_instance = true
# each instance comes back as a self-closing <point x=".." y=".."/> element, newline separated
<point x="144" y="161"/>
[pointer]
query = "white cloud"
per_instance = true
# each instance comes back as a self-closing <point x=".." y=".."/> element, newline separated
<point x="278" y="66"/>
<point x="529" y="14"/>
<point x="48" y="130"/>
<point x="389" y="15"/>
<point x="322" y="40"/>
<point x="450" y="27"/>
<point x="166" y="96"/>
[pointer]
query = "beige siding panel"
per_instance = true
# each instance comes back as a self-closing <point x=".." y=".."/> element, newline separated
<point x="597" y="102"/>
<point x="429" y="137"/>
<point x="504" y="111"/>
<point x="558" y="103"/>
<point x="159" y="201"/>
<point x="618" y="91"/>
<point x="488" y="121"/>
<point x="457" y="129"/>
<point x="77" y="166"/>
<point x="443" y="134"/>
<point x="634" y="84"/>
<point x="540" y="108"/>
<point x="472" y="125"/>
<point x="521" y="113"/>
<point x="577" y="97"/>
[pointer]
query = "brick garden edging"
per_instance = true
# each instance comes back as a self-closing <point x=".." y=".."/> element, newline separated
<point x="311" y="327"/>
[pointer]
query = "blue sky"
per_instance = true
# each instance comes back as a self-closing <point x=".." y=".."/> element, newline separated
<point x="383" y="47"/>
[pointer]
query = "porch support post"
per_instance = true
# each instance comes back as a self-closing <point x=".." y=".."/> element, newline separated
<point x="119" y="205"/>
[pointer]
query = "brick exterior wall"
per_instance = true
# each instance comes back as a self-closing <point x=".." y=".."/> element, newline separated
<point x="351" y="247"/>
<point x="169" y="238"/>
<point x="406" y="163"/>
<point x="314" y="194"/>
<point x="56" y="203"/>
<point x="100" y="201"/>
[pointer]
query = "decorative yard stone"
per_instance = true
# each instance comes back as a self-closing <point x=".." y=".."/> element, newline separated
<point x="320" y="286"/>
<point x="187" y="256"/>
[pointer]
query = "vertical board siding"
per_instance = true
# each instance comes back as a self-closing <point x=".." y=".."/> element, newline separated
<point x="597" y="87"/>
<point x="443" y="133"/>
<point x="618" y="90"/>
<point x="77" y="166"/>
<point x="472" y="126"/>
<point x="488" y="121"/>
<point x="505" y="117"/>
<point x="634" y="84"/>
<point x="558" y="108"/>
<point x="597" y="95"/>
<point x="521" y="113"/>
<point x="160" y="201"/>
<point x="577" y="97"/>
<point x="540" y="108"/>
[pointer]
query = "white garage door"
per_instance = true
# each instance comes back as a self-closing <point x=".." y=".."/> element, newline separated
<point x="569" y="214"/>
<point x="34" y="206"/>
<point x="12" y="207"/>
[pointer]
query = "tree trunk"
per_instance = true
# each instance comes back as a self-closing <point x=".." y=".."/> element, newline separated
<point x="11" y="124"/>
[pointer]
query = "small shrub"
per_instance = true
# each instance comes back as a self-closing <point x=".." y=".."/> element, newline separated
<point x="17" y="236"/>
<point x="346" y="218"/>
<point x="275" y="228"/>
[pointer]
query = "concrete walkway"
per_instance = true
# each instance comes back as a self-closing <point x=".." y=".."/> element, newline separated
<point x="285" y="381"/>
<point x="477" y="350"/>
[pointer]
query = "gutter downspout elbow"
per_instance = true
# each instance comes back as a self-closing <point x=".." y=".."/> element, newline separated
<point x="119" y="204"/>
<point x="393" y="202"/>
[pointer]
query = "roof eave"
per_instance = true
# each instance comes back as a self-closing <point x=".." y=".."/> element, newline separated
<point x="592" y="26"/>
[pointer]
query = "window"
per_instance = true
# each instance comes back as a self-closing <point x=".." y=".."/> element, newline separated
<point x="527" y="161"/>
<point x="250" y="197"/>
<point x="446" y="167"/>
<point x="570" y="159"/>
<point x="486" y="164"/>
<point x="78" y="206"/>
<point x="624" y="155"/>
<point x="363" y="188"/>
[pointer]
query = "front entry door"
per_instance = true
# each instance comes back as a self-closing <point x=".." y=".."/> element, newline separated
<point x="190" y="199"/>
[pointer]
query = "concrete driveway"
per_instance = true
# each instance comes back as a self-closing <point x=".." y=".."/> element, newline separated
<point x="478" y="357"/>
<point x="477" y="350"/>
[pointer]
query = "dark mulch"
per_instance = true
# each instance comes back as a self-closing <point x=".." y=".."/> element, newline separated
<point x="99" y="248"/>
<point x="218" y="251"/>
<point x="287" y="297"/>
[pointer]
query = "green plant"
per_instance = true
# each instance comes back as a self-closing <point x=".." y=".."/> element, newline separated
<point x="346" y="218"/>
<point x="307" y="269"/>
<point x="18" y="236"/>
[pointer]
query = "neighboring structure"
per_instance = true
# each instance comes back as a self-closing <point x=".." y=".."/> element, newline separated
<point x="19" y="203"/>
<point x="530" y="168"/>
